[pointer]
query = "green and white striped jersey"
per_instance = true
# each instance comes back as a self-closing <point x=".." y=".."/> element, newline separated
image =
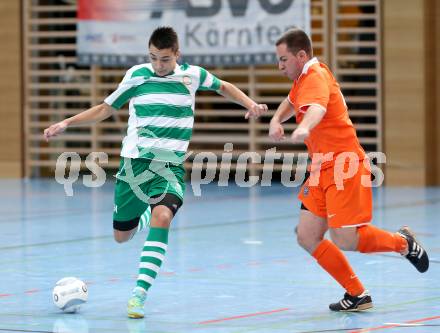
<point x="161" y="110"/>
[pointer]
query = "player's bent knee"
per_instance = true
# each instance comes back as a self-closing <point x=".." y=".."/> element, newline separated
<point x="120" y="237"/>
<point x="122" y="230"/>
<point x="307" y="242"/>
<point x="161" y="217"/>
<point x="120" y="240"/>
<point x="302" y="241"/>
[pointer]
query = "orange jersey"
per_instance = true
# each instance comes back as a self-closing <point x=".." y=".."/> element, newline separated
<point x="335" y="132"/>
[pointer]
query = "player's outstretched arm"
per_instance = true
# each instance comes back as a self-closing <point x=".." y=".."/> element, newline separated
<point x="232" y="93"/>
<point x="93" y="115"/>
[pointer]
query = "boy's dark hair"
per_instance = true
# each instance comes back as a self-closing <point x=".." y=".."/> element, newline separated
<point x="164" y="38"/>
<point x="296" y="40"/>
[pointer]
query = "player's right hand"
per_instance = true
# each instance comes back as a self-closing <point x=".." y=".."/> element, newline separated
<point x="276" y="131"/>
<point x="256" y="111"/>
<point x="55" y="129"/>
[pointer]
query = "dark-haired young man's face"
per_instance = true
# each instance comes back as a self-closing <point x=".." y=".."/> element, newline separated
<point x="164" y="60"/>
<point x="291" y="64"/>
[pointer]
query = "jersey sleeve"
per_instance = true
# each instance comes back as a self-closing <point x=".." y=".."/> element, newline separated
<point x="314" y="90"/>
<point x="208" y="81"/>
<point x="125" y="91"/>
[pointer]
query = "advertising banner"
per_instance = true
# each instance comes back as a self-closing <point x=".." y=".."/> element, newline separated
<point x="211" y="32"/>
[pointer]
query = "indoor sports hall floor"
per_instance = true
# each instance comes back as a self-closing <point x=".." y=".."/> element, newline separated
<point x="233" y="264"/>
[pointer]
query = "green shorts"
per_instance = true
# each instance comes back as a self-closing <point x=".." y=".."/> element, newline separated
<point x="139" y="181"/>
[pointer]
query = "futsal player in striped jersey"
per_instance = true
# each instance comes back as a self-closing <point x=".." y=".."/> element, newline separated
<point x="150" y="183"/>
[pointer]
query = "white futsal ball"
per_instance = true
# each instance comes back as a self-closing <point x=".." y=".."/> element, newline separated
<point x="69" y="293"/>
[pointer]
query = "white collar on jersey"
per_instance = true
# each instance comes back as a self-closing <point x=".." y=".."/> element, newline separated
<point x="309" y="63"/>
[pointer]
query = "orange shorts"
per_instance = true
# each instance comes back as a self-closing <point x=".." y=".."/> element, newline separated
<point x="343" y="202"/>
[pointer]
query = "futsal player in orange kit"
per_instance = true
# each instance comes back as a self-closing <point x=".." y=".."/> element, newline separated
<point x="331" y="200"/>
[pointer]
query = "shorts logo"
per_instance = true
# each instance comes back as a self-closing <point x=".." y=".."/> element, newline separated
<point x="187" y="80"/>
<point x="306" y="190"/>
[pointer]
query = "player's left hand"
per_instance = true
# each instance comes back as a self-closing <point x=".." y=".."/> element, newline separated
<point x="300" y="134"/>
<point x="256" y="111"/>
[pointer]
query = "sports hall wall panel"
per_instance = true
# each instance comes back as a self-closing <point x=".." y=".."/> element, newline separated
<point x="411" y="93"/>
<point x="10" y="90"/>
<point x="346" y="35"/>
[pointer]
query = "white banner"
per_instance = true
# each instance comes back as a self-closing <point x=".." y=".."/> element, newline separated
<point x="210" y="32"/>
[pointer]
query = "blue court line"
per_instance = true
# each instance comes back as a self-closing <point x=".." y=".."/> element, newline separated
<point x="30" y="331"/>
<point x="187" y="201"/>
<point x="213" y="225"/>
<point x="190" y="201"/>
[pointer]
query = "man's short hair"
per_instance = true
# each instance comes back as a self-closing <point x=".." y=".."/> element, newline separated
<point x="164" y="38"/>
<point x="296" y="40"/>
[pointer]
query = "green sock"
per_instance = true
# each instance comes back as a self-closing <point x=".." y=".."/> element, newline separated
<point x="152" y="257"/>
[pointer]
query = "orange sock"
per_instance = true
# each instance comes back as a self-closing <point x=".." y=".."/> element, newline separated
<point x="331" y="258"/>
<point x="372" y="239"/>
